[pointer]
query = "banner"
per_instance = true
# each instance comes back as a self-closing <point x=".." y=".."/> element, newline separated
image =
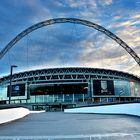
<point x="17" y="90"/>
<point x="103" y="87"/>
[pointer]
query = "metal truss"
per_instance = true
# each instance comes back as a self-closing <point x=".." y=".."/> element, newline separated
<point x="70" y="20"/>
<point x="56" y="75"/>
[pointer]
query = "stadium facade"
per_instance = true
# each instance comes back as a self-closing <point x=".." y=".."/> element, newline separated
<point x="70" y="85"/>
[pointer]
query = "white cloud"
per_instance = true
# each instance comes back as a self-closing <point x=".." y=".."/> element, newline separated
<point x="128" y="23"/>
<point x="88" y="3"/>
<point x="130" y="35"/>
<point x="115" y="18"/>
<point x="82" y="3"/>
<point x="105" y="2"/>
<point x="128" y="30"/>
<point x="135" y="15"/>
<point x="106" y="54"/>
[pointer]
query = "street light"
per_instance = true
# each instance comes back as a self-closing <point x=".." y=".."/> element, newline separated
<point x="10" y="88"/>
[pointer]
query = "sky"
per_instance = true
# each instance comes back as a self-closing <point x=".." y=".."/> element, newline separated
<point x="67" y="44"/>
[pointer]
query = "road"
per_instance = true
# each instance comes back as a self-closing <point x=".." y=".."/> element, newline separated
<point x="58" y="125"/>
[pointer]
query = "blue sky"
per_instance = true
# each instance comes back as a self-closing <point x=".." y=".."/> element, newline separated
<point x="69" y="45"/>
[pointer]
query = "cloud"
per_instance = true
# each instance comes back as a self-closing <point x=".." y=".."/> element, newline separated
<point x="128" y="30"/>
<point x="116" y="23"/>
<point x="105" y="2"/>
<point x="107" y="54"/>
<point x="128" y="23"/>
<point x="91" y="4"/>
<point x="116" y="18"/>
<point x="135" y="15"/>
<point x="131" y="36"/>
<point x="82" y="4"/>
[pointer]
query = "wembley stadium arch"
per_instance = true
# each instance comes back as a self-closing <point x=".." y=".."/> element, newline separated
<point x="69" y="20"/>
<point x="69" y="86"/>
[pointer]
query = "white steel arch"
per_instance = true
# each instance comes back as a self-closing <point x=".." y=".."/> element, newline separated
<point x="70" y="20"/>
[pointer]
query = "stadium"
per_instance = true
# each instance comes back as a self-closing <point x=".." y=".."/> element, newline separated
<point x="69" y="86"/>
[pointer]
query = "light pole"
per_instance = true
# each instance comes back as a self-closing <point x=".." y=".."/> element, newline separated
<point x="10" y="88"/>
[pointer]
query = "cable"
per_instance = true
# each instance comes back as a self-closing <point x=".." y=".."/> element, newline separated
<point x="27" y="51"/>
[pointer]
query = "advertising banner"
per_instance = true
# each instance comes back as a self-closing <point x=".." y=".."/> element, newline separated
<point x="17" y="90"/>
<point x="103" y="87"/>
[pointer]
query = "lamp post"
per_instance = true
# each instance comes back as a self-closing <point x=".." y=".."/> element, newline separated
<point x="10" y="88"/>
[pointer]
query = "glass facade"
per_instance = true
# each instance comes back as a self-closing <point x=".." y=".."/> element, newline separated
<point x="116" y="88"/>
<point x="57" y="92"/>
<point x="103" y="91"/>
<point x="57" y="89"/>
<point x="19" y="92"/>
<point x="3" y="93"/>
<point x="135" y="89"/>
<point x="56" y="98"/>
<point x="122" y="88"/>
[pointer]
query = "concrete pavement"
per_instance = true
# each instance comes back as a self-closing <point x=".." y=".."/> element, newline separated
<point x="58" y="125"/>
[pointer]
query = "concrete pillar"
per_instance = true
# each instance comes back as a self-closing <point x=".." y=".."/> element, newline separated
<point x="63" y="98"/>
<point x="83" y="97"/>
<point x="73" y="98"/>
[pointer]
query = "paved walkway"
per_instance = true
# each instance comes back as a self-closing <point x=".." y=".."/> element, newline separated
<point x="58" y="125"/>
